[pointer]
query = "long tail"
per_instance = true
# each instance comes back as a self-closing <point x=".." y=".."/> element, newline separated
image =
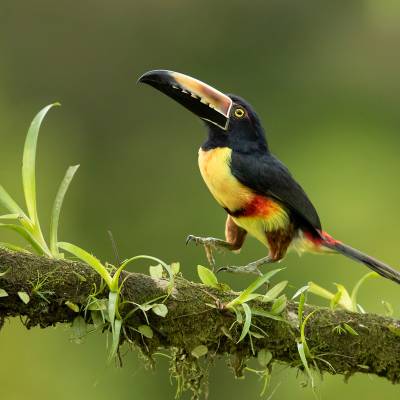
<point x="378" y="266"/>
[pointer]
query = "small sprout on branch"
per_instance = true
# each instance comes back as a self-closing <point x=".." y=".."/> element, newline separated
<point x="24" y="297"/>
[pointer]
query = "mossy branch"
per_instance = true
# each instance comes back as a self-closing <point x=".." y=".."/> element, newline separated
<point x="191" y="321"/>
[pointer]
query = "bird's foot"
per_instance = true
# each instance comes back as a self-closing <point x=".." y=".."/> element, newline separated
<point x="209" y="244"/>
<point x="251" y="268"/>
<point x="207" y="241"/>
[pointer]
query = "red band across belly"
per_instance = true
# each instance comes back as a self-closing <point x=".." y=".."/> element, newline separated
<point x="259" y="206"/>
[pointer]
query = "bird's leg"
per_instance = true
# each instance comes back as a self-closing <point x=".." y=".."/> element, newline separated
<point x="251" y="268"/>
<point x="278" y="242"/>
<point x="235" y="237"/>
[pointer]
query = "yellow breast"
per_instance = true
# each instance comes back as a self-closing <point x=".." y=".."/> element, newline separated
<point x="215" y="169"/>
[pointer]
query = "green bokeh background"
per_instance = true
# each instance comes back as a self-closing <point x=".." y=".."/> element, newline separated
<point x="324" y="77"/>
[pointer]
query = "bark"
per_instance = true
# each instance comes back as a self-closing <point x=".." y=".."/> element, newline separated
<point x="191" y="321"/>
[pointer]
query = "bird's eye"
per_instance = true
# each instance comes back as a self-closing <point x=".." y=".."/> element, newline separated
<point x="239" y="112"/>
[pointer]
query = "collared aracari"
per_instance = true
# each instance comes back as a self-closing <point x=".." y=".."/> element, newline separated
<point x="257" y="190"/>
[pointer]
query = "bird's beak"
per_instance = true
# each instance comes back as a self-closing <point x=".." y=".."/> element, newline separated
<point x="203" y="100"/>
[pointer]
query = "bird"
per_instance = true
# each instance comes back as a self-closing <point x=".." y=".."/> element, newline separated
<point x="257" y="191"/>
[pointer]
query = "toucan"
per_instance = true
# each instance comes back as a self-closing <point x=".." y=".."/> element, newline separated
<point x="257" y="191"/>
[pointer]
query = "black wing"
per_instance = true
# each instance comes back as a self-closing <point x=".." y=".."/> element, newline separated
<point x="267" y="176"/>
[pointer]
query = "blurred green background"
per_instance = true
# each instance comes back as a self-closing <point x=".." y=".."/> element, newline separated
<point x="324" y="77"/>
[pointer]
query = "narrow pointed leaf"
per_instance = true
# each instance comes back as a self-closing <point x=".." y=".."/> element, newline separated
<point x="300" y="291"/>
<point x="8" y="202"/>
<point x="243" y="297"/>
<point x="275" y="291"/>
<point x="262" y="313"/>
<point x="88" y="259"/>
<point x="279" y="305"/>
<point x="10" y="216"/>
<point x="13" y="247"/>
<point x="303" y="358"/>
<point x="247" y="322"/>
<point x="55" y="214"/>
<point x="29" y="164"/>
<point x="116" y="333"/>
<point x="112" y="307"/>
<point x="26" y="235"/>
<point x="357" y="286"/>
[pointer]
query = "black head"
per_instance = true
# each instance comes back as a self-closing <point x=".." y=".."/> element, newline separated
<point x="244" y="132"/>
<point x="231" y="121"/>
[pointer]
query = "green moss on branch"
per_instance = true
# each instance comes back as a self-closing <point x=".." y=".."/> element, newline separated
<point x="190" y="322"/>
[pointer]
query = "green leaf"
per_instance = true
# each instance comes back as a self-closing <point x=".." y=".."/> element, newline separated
<point x="175" y="267"/>
<point x="349" y="329"/>
<point x="116" y="333"/>
<point x="89" y="259"/>
<point x="354" y="292"/>
<point x="114" y="281"/>
<point x="10" y="216"/>
<point x="345" y="299"/>
<point x="156" y="271"/>
<point x="207" y="276"/>
<point x="24" y="297"/>
<point x="112" y="307"/>
<point x="302" y="301"/>
<point x="303" y="334"/>
<point x="79" y="329"/>
<point x="74" y="307"/>
<point x="300" y="291"/>
<point x="319" y="291"/>
<point x="247" y="322"/>
<point x="159" y="309"/>
<point x="239" y="317"/>
<point x="3" y="293"/>
<point x="199" y="351"/>
<point x="275" y="291"/>
<point x="146" y="331"/>
<point x="279" y="305"/>
<point x="8" y="202"/>
<point x="303" y="358"/>
<point x="28" y="164"/>
<point x="5" y="272"/>
<point x="27" y="236"/>
<point x="256" y="335"/>
<point x="55" y="213"/>
<point x="245" y="295"/>
<point x="262" y="313"/>
<point x="264" y="357"/>
<point x="13" y="247"/>
<point x="335" y="300"/>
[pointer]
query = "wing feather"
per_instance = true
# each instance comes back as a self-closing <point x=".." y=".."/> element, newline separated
<point x="267" y="176"/>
